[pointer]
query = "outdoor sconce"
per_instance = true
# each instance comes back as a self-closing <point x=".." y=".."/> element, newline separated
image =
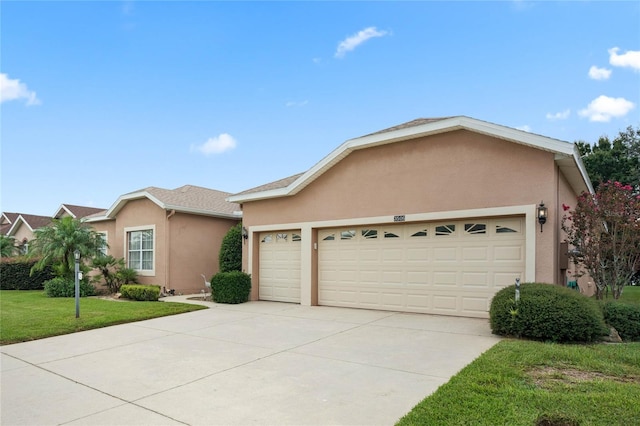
<point x="542" y="212"/>
<point x="245" y="233"/>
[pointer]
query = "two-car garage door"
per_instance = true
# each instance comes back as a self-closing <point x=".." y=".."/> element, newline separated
<point x="450" y="267"/>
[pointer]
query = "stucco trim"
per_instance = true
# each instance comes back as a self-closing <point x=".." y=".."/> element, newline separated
<point x="529" y="211"/>
<point x="431" y="128"/>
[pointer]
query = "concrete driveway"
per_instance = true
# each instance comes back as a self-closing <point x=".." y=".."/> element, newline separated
<point x="255" y="363"/>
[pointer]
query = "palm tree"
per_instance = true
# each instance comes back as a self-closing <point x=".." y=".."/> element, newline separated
<point x="7" y="246"/>
<point x="55" y="244"/>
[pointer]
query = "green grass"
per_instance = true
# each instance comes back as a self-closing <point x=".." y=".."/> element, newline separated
<point x="31" y="315"/>
<point x="631" y="294"/>
<point x="519" y="382"/>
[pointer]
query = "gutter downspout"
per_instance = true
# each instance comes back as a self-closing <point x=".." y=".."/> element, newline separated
<point x="167" y="245"/>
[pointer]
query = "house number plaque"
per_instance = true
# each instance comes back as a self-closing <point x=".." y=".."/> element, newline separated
<point x="399" y="218"/>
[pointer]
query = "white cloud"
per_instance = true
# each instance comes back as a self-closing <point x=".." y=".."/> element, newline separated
<point x="562" y="115"/>
<point x="603" y="108"/>
<point x="629" y="59"/>
<point x="218" y="145"/>
<point x="350" y="43"/>
<point x="526" y="128"/>
<point x="11" y="90"/>
<point x="599" y="73"/>
<point x="291" y="104"/>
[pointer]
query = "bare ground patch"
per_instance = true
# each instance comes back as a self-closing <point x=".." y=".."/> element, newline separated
<point x="546" y="376"/>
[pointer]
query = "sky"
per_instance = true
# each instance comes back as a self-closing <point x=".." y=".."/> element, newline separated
<point x="99" y="99"/>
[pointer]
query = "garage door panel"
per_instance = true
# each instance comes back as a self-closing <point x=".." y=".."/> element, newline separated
<point x="449" y="267"/>
<point x="280" y="266"/>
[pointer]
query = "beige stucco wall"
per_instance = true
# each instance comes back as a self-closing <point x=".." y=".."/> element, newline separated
<point x="194" y="245"/>
<point x="21" y="233"/>
<point x="186" y="245"/>
<point x="459" y="170"/>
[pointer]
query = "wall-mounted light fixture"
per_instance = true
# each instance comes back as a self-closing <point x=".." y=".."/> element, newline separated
<point x="245" y="233"/>
<point x="542" y="213"/>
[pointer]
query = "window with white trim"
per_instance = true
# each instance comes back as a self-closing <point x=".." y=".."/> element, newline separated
<point x="103" y="250"/>
<point x="140" y="250"/>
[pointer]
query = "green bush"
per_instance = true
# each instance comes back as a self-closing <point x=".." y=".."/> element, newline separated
<point x="231" y="287"/>
<point x="140" y="292"/>
<point x="15" y="274"/>
<point x="625" y="318"/>
<point x="546" y="312"/>
<point x="62" y="287"/>
<point x="230" y="257"/>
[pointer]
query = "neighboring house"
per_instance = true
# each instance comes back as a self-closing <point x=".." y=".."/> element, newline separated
<point x="76" y="212"/>
<point x="21" y="226"/>
<point x="6" y="220"/>
<point x="170" y="237"/>
<point x="430" y="216"/>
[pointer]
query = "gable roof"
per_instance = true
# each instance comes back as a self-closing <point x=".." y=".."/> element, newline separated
<point x="76" y="212"/>
<point x="567" y="156"/>
<point x="32" y="222"/>
<point x="186" y="199"/>
<point x="6" y="220"/>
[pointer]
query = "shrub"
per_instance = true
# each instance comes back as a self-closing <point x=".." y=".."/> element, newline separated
<point x="624" y="317"/>
<point x="63" y="287"/>
<point x="15" y="274"/>
<point x="231" y="287"/>
<point x="140" y="292"/>
<point x="546" y="312"/>
<point x="230" y="257"/>
<point x="113" y="272"/>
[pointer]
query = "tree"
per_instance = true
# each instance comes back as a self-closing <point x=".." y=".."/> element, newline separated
<point x="113" y="272"/>
<point x="617" y="160"/>
<point x="7" y="246"/>
<point x="604" y="229"/>
<point x="55" y="245"/>
<point x="230" y="257"/>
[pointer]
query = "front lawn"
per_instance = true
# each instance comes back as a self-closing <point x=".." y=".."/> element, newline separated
<point x="631" y="294"/>
<point x="30" y="315"/>
<point x="520" y="382"/>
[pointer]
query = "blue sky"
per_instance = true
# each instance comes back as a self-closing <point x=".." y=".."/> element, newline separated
<point x="104" y="98"/>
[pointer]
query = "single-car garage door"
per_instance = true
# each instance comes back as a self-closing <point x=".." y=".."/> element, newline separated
<point x="450" y="267"/>
<point x="280" y="266"/>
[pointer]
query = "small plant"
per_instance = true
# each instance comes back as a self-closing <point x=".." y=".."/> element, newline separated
<point x="546" y="312"/>
<point x="624" y="317"/>
<point x="63" y="287"/>
<point x="231" y="287"/>
<point x="140" y="292"/>
<point x="113" y="273"/>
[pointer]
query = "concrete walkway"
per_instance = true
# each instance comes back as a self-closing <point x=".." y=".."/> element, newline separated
<point x="254" y="363"/>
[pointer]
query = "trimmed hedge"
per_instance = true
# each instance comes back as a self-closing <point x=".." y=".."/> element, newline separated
<point x="546" y="312"/>
<point x="230" y="256"/>
<point x="625" y="318"/>
<point x="231" y="287"/>
<point x="61" y="287"/>
<point x="15" y="274"/>
<point x="140" y="292"/>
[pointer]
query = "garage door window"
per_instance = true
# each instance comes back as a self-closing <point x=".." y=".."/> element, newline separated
<point x="369" y="234"/>
<point x="281" y="238"/>
<point x="419" y="234"/>
<point x="296" y="237"/>
<point x="348" y="235"/>
<point x="267" y="239"/>
<point x="445" y="230"/>
<point x="388" y="234"/>
<point x="475" y="228"/>
<point x="330" y="237"/>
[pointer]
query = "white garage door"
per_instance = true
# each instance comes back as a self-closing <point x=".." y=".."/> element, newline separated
<point x="280" y="266"/>
<point x="451" y="268"/>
